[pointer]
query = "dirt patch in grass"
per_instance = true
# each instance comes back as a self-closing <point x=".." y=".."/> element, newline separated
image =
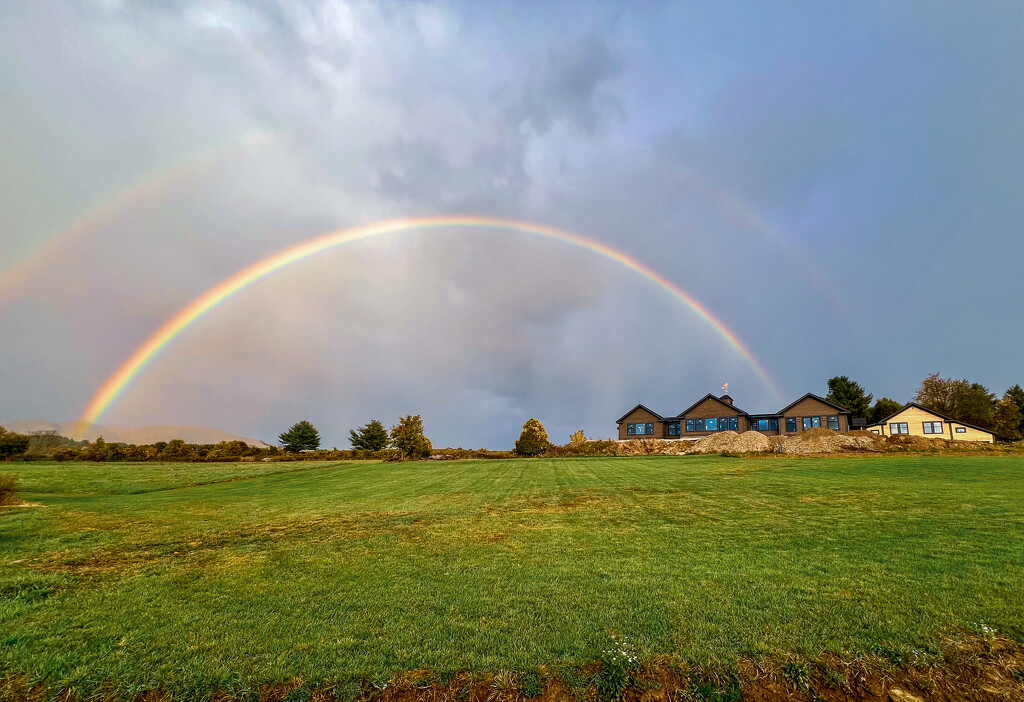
<point x="972" y="670"/>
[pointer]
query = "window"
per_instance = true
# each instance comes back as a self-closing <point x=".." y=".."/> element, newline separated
<point x="811" y="422"/>
<point x="767" y="424"/>
<point x="673" y="428"/>
<point x="932" y="427"/>
<point x="874" y="431"/>
<point x="833" y="422"/>
<point x="898" y="428"/>
<point x="961" y="430"/>
<point x="790" y="423"/>
<point x="640" y="429"/>
<point x="734" y="423"/>
<point x="689" y="425"/>
<point x="711" y="424"/>
<point x="698" y="425"/>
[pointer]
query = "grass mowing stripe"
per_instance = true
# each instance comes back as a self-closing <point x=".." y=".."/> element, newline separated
<point x="372" y="568"/>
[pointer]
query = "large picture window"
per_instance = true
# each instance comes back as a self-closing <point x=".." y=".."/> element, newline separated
<point x="767" y="424"/>
<point x="790" y="423"/>
<point x="711" y="424"/>
<point x="898" y="428"/>
<point x="932" y="427"/>
<point x="811" y="422"/>
<point x="833" y="422"/>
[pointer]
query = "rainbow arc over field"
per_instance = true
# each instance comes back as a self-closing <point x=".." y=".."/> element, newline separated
<point x="116" y="384"/>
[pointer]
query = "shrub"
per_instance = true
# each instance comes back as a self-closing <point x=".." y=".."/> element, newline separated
<point x="533" y="441"/>
<point x="9" y="490"/>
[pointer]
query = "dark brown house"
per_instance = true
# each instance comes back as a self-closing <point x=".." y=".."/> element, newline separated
<point x="710" y="414"/>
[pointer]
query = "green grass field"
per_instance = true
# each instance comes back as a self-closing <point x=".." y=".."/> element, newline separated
<point x="272" y="571"/>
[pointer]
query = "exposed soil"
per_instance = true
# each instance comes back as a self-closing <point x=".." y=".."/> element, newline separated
<point x="817" y="441"/>
<point x="971" y="670"/>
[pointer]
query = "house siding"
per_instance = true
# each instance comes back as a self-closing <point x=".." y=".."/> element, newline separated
<point x="915" y="418"/>
<point x="642" y="415"/>
<point x="810" y="407"/>
<point x="707" y="409"/>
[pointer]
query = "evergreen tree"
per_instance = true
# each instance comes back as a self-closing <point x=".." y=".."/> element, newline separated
<point x="302" y="436"/>
<point x="1007" y="418"/>
<point x="372" y="437"/>
<point x="533" y="441"/>
<point x="407" y="436"/>
<point x="849" y="394"/>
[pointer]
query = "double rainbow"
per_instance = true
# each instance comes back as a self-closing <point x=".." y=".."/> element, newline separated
<point x="116" y="384"/>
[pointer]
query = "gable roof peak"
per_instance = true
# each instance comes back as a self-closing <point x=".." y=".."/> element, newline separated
<point x="645" y="409"/>
<point x="711" y="396"/>
<point x="812" y="396"/>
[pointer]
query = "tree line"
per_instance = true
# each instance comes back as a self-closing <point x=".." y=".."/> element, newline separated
<point x="958" y="398"/>
<point x="406" y="439"/>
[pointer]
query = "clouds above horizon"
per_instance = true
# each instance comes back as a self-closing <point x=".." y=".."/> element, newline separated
<point x="845" y="177"/>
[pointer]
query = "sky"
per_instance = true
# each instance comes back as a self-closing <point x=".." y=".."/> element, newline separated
<point x="838" y="184"/>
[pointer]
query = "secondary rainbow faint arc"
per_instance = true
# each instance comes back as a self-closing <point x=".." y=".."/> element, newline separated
<point x="122" y="377"/>
<point x="149" y="189"/>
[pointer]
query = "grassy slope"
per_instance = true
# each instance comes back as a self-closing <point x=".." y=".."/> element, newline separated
<point x="367" y="568"/>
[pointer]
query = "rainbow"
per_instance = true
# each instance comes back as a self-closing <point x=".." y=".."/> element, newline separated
<point x="151" y="189"/>
<point x="116" y="384"/>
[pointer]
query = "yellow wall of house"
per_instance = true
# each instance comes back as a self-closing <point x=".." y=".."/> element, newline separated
<point x="915" y="419"/>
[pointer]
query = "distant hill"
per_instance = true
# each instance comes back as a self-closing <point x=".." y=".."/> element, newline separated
<point x="140" y="435"/>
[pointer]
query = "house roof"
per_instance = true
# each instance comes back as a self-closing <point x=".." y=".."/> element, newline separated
<point x="733" y="408"/>
<point x="646" y="409"/>
<point x="907" y="406"/>
<point x="812" y="396"/>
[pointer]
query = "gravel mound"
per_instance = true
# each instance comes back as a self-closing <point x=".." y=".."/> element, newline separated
<point x="732" y="442"/>
<point x="651" y="447"/>
<point x="821" y="440"/>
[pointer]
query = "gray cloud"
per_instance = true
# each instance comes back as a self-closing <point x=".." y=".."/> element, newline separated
<point x="769" y="163"/>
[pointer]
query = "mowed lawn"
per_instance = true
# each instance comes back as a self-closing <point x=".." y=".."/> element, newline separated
<point x="329" y="571"/>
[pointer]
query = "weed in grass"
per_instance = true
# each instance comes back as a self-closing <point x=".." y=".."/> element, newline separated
<point x="503" y="686"/>
<point x="835" y="679"/>
<point x="703" y="691"/>
<point x="889" y="653"/>
<point x="618" y="662"/>
<point x="797" y="675"/>
<point x="530" y="683"/>
<point x="984" y="630"/>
